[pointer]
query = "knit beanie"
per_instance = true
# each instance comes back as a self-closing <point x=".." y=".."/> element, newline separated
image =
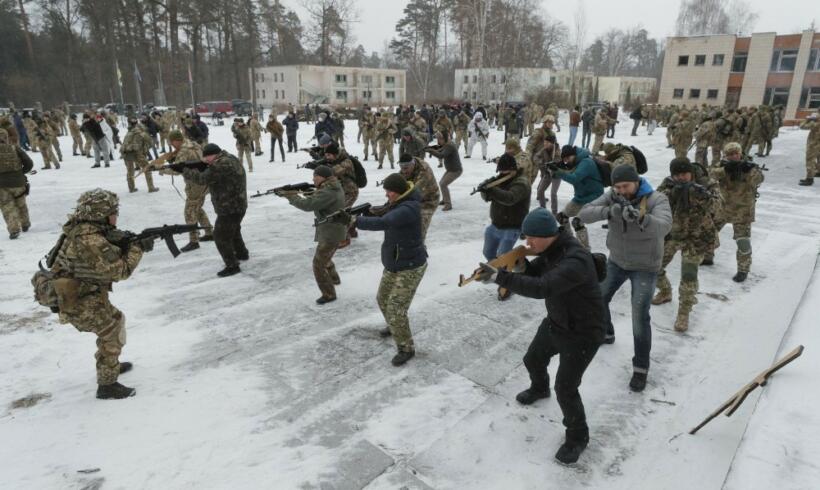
<point x="332" y="149"/>
<point x="567" y="151"/>
<point x="506" y="162"/>
<point x="323" y="171"/>
<point x="680" y="166"/>
<point x="625" y="173"/>
<point x="211" y="149"/>
<point x="539" y="223"/>
<point x="395" y="183"/>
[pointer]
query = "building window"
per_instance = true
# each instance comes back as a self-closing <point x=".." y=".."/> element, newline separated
<point x="776" y="96"/>
<point x="464" y="95"/>
<point x="282" y="77"/>
<point x="683" y="60"/>
<point x="263" y="94"/>
<point x="390" y="79"/>
<point x="717" y="60"/>
<point x="494" y="79"/>
<point x="784" y="60"/>
<point x="503" y="78"/>
<point x="712" y="93"/>
<point x="341" y="79"/>
<point x="814" y="60"/>
<point x="700" y="59"/>
<point x="552" y="81"/>
<point x="367" y="94"/>
<point x="677" y="93"/>
<point x="810" y="98"/>
<point x="474" y="95"/>
<point x="341" y="95"/>
<point x="368" y="79"/>
<point x="739" y="62"/>
<point x="466" y="78"/>
<point x="475" y="78"/>
<point x="283" y="94"/>
<point x="694" y="93"/>
<point x="492" y="96"/>
<point x="257" y="93"/>
<point x="275" y="77"/>
<point x="390" y="95"/>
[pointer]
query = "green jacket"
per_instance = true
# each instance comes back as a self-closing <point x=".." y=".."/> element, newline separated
<point x="326" y="200"/>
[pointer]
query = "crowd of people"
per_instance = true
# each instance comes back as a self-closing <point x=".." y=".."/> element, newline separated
<point x="646" y="226"/>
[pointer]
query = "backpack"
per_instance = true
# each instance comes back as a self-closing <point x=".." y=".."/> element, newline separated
<point x="605" y="170"/>
<point x="599" y="260"/>
<point x="640" y="160"/>
<point x="44" y="281"/>
<point x="361" y="175"/>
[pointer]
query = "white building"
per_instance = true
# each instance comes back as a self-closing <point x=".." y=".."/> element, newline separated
<point x="334" y="85"/>
<point x="619" y="89"/>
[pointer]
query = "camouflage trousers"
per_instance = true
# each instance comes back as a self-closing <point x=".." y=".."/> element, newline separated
<point x="369" y="145"/>
<point x="48" y="155"/>
<point x="324" y="270"/>
<point x="681" y="149"/>
<point x="426" y="216"/>
<point x="717" y="152"/>
<point x="702" y="155"/>
<point x="691" y="258"/>
<point x="94" y="313"/>
<point x="812" y="161"/>
<point x="257" y="145"/>
<point x="55" y="143"/>
<point x="89" y="141"/>
<point x="597" y="142"/>
<point x="386" y="148"/>
<point x="194" y="214"/>
<point x="163" y="138"/>
<point x="77" y="144"/>
<point x="396" y="292"/>
<point x="461" y="139"/>
<point x="14" y="209"/>
<point x="571" y="210"/>
<point x="132" y="163"/>
<point x="244" y="152"/>
<point x="742" y="235"/>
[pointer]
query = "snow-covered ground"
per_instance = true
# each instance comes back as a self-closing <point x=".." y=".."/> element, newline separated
<point x="245" y="382"/>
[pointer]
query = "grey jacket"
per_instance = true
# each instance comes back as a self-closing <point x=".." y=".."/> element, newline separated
<point x="633" y="246"/>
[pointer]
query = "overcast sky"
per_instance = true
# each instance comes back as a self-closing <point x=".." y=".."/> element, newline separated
<point x="378" y="17"/>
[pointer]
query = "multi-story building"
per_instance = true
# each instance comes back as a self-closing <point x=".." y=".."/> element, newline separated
<point x="334" y="85"/>
<point x="764" y="68"/>
<point x="514" y="84"/>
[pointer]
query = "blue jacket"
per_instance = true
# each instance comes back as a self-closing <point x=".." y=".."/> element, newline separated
<point x="323" y="127"/>
<point x="403" y="248"/>
<point x="291" y="125"/>
<point x="585" y="178"/>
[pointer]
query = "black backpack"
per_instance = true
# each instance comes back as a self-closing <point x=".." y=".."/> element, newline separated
<point x="605" y="170"/>
<point x="361" y="175"/>
<point x="640" y="160"/>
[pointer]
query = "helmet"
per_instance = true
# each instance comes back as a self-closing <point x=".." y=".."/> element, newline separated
<point x="96" y="205"/>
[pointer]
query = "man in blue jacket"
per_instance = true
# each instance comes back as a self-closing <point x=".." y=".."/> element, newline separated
<point x="639" y="219"/>
<point x="404" y="258"/>
<point x="582" y="172"/>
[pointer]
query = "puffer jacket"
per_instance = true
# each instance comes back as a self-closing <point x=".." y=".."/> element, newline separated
<point x="403" y="247"/>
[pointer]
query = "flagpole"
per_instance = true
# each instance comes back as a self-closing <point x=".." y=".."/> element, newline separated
<point x="191" y="84"/>
<point x="137" y="81"/>
<point x="119" y="85"/>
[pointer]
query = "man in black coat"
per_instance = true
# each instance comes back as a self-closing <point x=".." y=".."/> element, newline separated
<point x="563" y="274"/>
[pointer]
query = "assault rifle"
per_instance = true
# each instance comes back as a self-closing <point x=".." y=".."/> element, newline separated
<point x="123" y="239"/>
<point x="511" y="261"/>
<point x="493" y="181"/>
<point x="287" y="189"/>
<point x="351" y="211"/>
<point x="557" y="165"/>
<point x="315" y="152"/>
<point x="180" y="166"/>
<point x="433" y="147"/>
<point x="315" y="163"/>
<point x="743" y="166"/>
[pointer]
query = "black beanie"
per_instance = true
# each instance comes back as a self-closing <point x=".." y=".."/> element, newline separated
<point x="332" y="149"/>
<point x="405" y="159"/>
<point x="211" y="149"/>
<point x="506" y="162"/>
<point x="395" y="183"/>
<point x="680" y="166"/>
<point x="567" y="151"/>
<point x="625" y="173"/>
<point x="323" y="171"/>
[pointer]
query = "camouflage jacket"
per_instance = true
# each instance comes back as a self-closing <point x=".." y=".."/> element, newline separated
<point x="684" y="130"/>
<point x="326" y="200"/>
<point x="813" y="138"/>
<point x="621" y="155"/>
<point x="600" y="124"/>
<point x="524" y="163"/>
<point x="385" y="129"/>
<point x="226" y="180"/>
<point x="419" y="124"/>
<point x="705" y="134"/>
<point x="136" y="143"/>
<point x="255" y="129"/>
<point x="414" y="147"/>
<point x="692" y="213"/>
<point x="243" y="136"/>
<point x="462" y="120"/>
<point x="536" y="140"/>
<point x="74" y="128"/>
<point x="346" y="173"/>
<point x="190" y="151"/>
<point x="738" y="185"/>
<point x="443" y="125"/>
<point x="424" y="181"/>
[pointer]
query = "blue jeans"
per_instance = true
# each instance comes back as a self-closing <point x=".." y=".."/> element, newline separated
<point x="643" y="285"/>
<point x="573" y="132"/>
<point x="498" y="242"/>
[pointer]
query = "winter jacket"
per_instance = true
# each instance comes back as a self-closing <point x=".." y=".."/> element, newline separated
<point x="403" y="247"/>
<point x="291" y="125"/>
<point x="564" y="277"/>
<point x="323" y="127"/>
<point x="202" y="127"/>
<point x="92" y="127"/>
<point x="574" y="119"/>
<point x="193" y="133"/>
<point x="108" y="132"/>
<point x="479" y="129"/>
<point x="449" y="154"/>
<point x="275" y="128"/>
<point x="328" y="199"/>
<point x="12" y="156"/>
<point x="226" y="180"/>
<point x="585" y="178"/>
<point x="509" y="202"/>
<point x="634" y="246"/>
<point x="587" y="118"/>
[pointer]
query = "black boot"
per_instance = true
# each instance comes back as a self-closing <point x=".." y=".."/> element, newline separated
<point x="229" y="271"/>
<point x="530" y="396"/>
<point x="570" y="451"/>
<point x="638" y="382"/>
<point x="806" y="182"/>
<point x="206" y="238"/>
<point x="125" y="367"/>
<point x="189" y="247"/>
<point x="402" y="357"/>
<point x="740" y="276"/>
<point x="324" y="300"/>
<point x="114" y="391"/>
<point x="707" y="261"/>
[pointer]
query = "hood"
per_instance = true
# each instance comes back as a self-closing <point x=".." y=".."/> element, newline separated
<point x="580" y="154"/>
<point x="644" y="189"/>
<point x="478" y="116"/>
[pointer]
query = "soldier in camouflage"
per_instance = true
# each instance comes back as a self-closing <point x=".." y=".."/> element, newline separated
<point x="42" y="140"/>
<point x="86" y="265"/>
<point x="185" y="150"/>
<point x="344" y="170"/>
<point x="704" y="138"/>
<point x="418" y="172"/>
<point x="461" y="123"/>
<point x="76" y="136"/>
<point x="256" y="134"/>
<point x="683" y="129"/>
<point x="134" y="148"/>
<point x="54" y="130"/>
<point x="385" y="135"/>
<point x="244" y="141"/>
<point x="812" y="123"/>
<point x="512" y="147"/>
<point x="369" y="134"/>
<point x="442" y="124"/>
<point x="693" y="233"/>
<point x="618" y="154"/>
<point x="599" y="128"/>
<point x="411" y="143"/>
<point x="738" y="180"/>
<point x="14" y="164"/>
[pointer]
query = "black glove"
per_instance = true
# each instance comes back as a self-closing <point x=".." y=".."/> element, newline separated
<point x="486" y="273"/>
<point x="562" y="218"/>
<point x="146" y="244"/>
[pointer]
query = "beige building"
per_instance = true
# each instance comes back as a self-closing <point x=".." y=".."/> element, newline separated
<point x="764" y="68"/>
<point x="619" y="89"/>
<point x="334" y="85"/>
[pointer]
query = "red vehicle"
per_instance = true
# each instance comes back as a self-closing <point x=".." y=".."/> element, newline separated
<point x="210" y="108"/>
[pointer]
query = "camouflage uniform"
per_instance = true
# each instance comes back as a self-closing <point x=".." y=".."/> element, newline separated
<point x="672" y="117"/>
<point x="256" y="135"/>
<point x="385" y="134"/>
<point x="414" y="147"/>
<point x="419" y="125"/>
<point x="54" y="126"/>
<point x="443" y="125"/>
<point x="14" y="164"/>
<point x="43" y="140"/>
<point x="618" y="154"/>
<point x="344" y="170"/>
<point x="134" y="148"/>
<point x="462" y="120"/>
<point x="755" y="129"/>
<point x="522" y="160"/>
<point x="163" y="130"/>
<point x="326" y="200"/>
<point x="368" y="124"/>
<point x="243" y="137"/>
<point x="682" y="138"/>
<point x="76" y="137"/>
<point x="396" y="292"/>
<point x="724" y="132"/>
<point x="599" y="128"/>
<point x="738" y="187"/>
<point x="86" y="266"/>
<point x="812" y="147"/>
<point x="194" y="193"/>
<point x="693" y="233"/>
<point x="766" y="131"/>
<point x="424" y="181"/>
<point x="704" y="138"/>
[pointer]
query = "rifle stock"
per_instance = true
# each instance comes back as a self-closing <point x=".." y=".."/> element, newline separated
<point x="509" y="261"/>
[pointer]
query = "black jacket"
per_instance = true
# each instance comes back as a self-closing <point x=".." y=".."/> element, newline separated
<point x="403" y="247"/>
<point x="564" y="277"/>
<point x="509" y="202"/>
<point x="92" y="127"/>
<point x="291" y="125"/>
<point x="449" y="154"/>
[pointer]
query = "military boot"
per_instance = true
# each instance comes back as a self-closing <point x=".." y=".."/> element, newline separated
<point x="189" y="247"/>
<point x="14" y="235"/>
<point x="531" y="395"/>
<point x="402" y="357"/>
<point x="740" y="276"/>
<point x="707" y="261"/>
<point x="662" y="297"/>
<point x="638" y="382"/>
<point x="114" y="391"/>
<point x="682" y="321"/>
<point x="125" y="367"/>
<point x="570" y="451"/>
<point x="229" y="271"/>
<point x="806" y="181"/>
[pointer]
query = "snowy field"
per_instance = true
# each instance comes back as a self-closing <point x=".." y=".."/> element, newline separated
<point x="245" y="382"/>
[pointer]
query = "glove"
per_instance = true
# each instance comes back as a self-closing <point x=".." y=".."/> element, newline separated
<point x="557" y="173"/>
<point x="146" y="244"/>
<point x="630" y="214"/>
<point x="562" y="218"/>
<point x="486" y="273"/>
<point x="615" y="209"/>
